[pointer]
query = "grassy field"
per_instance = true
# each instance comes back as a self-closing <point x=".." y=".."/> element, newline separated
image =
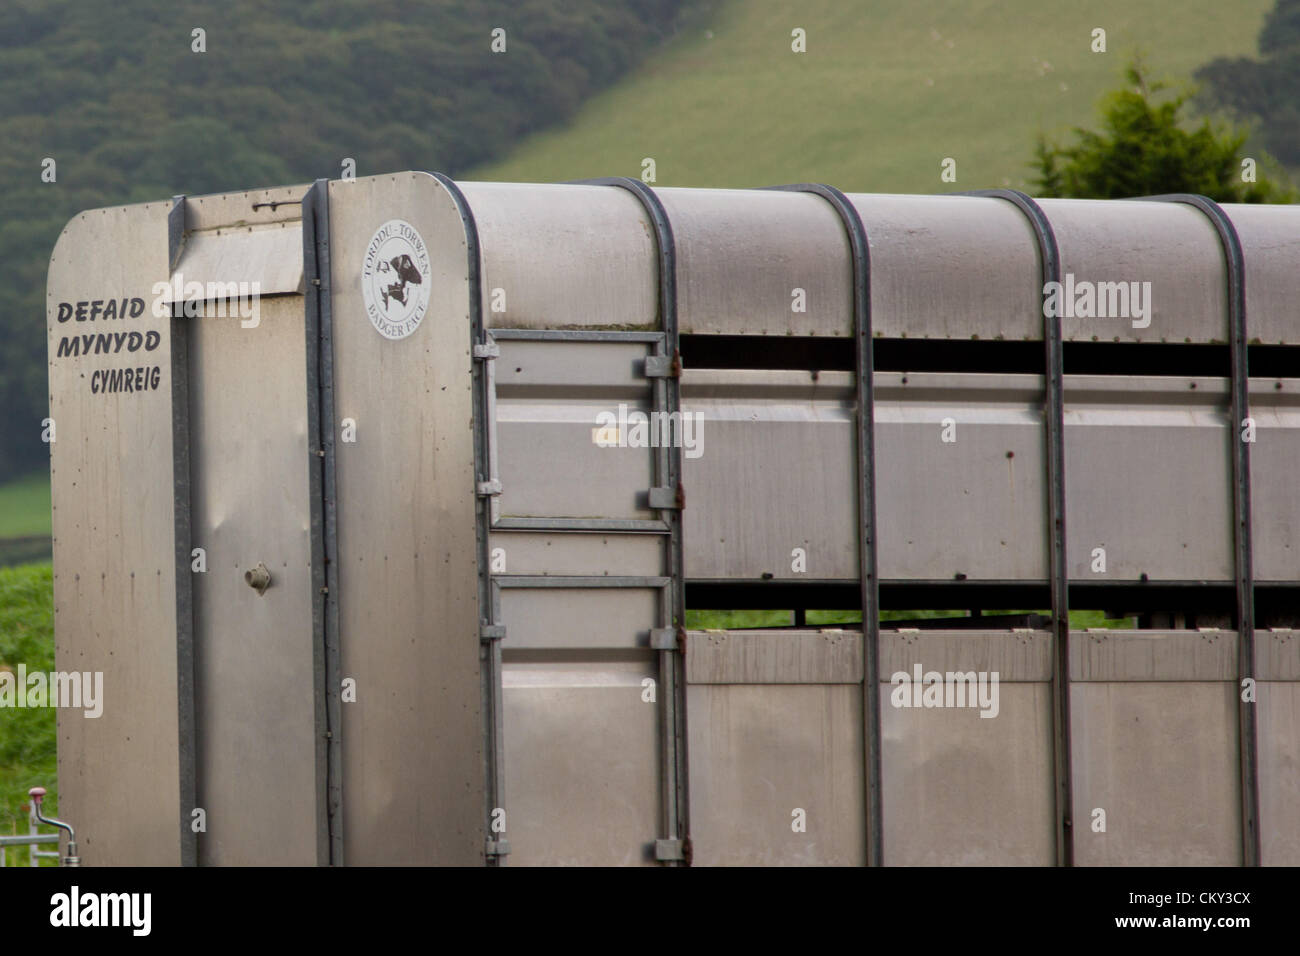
<point x="25" y="507"/>
<point x="27" y="737"/>
<point x="886" y="90"/>
<point x="25" y="520"/>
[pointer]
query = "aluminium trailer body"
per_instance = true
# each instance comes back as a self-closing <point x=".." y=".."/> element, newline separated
<point x="382" y="564"/>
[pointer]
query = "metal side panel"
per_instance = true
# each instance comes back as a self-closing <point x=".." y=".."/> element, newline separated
<point x="1154" y="720"/>
<point x="250" y="207"/>
<point x="967" y="767"/>
<point x="960" y="476"/>
<point x="111" y="469"/>
<point x="1277" y="669"/>
<point x="517" y="552"/>
<point x="960" y="790"/>
<point x="1279" y="770"/>
<point x="1018" y="657"/>
<point x="566" y="367"/>
<point x="1274" y="492"/>
<point x="1277" y="654"/>
<point x="567" y="442"/>
<point x="611" y="617"/>
<point x="776" y="748"/>
<point x="1160" y="759"/>
<point x="268" y="257"/>
<point x="1149" y="476"/>
<point x="552" y="462"/>
<point x="741" y="255"/>
<point x="408" y="608"/>
<point x="827" y="656"/>
<point x="582" y="694"/>
<point x="1172" y="247"/>
<point x="255" y="688"/>
<point x="582" y="766"/>
<point x="759" y="754"/>
<point x="571" y="256"/>
<point x="951" y="267"/>
<point x="1104" y="655"/>
<point x="1145" y="457"/>
<point x="776" y="444"/>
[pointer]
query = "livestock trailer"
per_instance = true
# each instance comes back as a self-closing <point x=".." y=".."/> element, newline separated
<point x="381" y="505"/>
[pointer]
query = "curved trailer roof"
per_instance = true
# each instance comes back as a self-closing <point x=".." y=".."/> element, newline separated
<point x="943" y="267"/>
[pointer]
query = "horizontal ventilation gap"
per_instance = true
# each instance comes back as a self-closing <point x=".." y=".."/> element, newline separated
<point x="1277" y="604"/>
<point x="949" y="355"/>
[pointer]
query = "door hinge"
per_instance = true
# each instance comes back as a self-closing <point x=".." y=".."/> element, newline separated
<point x="668" y="498"/>
<point x="673" y="851"/>
<point x="664" y="366"/>
<point x="668" y="639"/>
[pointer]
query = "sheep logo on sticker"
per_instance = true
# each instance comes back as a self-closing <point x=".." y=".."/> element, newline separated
<point x="395" y="279"/>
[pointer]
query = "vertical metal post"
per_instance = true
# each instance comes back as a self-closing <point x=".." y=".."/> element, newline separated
<point x="185" y="723"/>
<point x="34" y="854"/>
<point x="1247" y="727"/>
<point x="324" y="521"/>
<point x="868" y="572"/>
<point x="1054" y="433"/>
<point x="490" y="629"/>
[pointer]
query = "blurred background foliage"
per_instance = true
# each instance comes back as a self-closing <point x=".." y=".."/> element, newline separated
<point x="285" y="92"/>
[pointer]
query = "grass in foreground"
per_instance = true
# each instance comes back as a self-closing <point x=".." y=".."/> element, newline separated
<point x="27" y="736"/>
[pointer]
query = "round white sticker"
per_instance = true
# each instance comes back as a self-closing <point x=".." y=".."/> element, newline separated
<point x="395" y="279"/>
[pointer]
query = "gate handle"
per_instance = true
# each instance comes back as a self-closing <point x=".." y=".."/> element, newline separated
<point x="37" y="794"/>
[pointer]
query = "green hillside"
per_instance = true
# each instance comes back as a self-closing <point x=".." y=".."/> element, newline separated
<point x="886" y="90"/>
